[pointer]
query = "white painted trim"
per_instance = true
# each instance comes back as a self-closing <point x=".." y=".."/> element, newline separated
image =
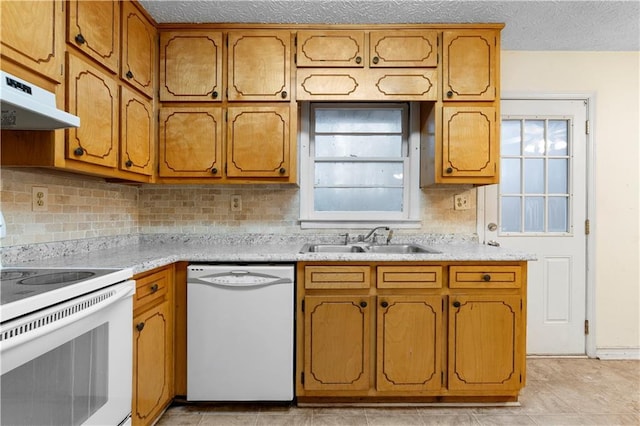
<point x="617" y="353"/>
<point x="590" y="98"/>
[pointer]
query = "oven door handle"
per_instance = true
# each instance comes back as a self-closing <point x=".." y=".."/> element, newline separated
<point x="30" y="327"/>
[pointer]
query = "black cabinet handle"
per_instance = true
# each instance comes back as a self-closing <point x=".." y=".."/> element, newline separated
<point x="449" y="170"/>
<point x="214" y="95"/>
<point x="129" y="74"/>
<point x="80" y="39"/>
<point x="78" y="151"/>
<point x="154" y="288"/>
<point x="284" y="94"/>
<point x="282" y="170"/>
<point x="456" y="304"/>
<point x="486" y="277"/>
<point x="140" y="326"/>
<point x="375" y="60"/>
<point x="384" y="304"/>
<point x="214" y="171"/>
<point x="449" y="94"/>
<point x="129" y="163"/>
<point x="358" y="59"/>
<point x="363" y="304"/>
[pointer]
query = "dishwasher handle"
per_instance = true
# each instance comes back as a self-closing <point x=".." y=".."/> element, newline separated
<point x="239" y="279"/>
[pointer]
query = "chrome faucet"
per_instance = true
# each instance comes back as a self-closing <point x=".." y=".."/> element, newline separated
<point x="372" y="232"/>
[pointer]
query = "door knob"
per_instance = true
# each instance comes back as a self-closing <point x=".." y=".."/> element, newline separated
<point x="492" y="227"/>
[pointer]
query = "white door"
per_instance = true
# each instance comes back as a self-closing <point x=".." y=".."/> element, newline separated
<point x="540" y="207"/>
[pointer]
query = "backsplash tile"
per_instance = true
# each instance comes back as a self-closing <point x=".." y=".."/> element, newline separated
<point x="83" y="207"/>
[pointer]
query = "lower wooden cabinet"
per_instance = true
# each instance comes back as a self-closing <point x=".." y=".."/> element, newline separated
<point x="419" y="332"/>
<point x="152" y="346"/>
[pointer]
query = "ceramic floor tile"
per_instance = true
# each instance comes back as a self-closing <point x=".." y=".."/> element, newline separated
<point x="503" y="419"/>
<point x="289" y="419"/>
<point x="453" y="419"/>
<point x="339" y="420"/>
<point x="228" y="419"/>
<point x="587" y="420"/>
<point x="391" y="418"/>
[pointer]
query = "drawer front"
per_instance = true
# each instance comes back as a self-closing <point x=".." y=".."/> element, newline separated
<point x="330" y="277"/>
<point x="409" y="276"/>
<point x="480" y="276"/>
<point x="152" y="287"/>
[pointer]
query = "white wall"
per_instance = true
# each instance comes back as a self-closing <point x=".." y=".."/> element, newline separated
<point x="614" y="79"/>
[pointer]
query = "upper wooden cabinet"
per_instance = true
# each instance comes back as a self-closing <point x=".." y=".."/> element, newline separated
<point x="403" y="48"/>
<point x="470" y="65"/>
<point x="94" y="28"/>
<point x="191" y="66"/>
<point x="340" y="48"/>
<point x="32" y="35"/>
<point x="138" y="49"/>
<point x="259" y="65"/>
<point x="137" y="133"/>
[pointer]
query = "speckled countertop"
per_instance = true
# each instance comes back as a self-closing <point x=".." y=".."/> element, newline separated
<point x="146" y="252"/>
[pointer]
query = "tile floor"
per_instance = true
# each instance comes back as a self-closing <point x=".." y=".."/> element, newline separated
<point x="559" y="391"/>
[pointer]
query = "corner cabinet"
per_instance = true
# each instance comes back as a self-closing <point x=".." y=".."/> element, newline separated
<point x="411" y="331"/>
<point x="153" y="387"/>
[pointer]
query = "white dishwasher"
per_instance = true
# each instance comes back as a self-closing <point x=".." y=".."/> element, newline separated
<point x="240" y="332"/>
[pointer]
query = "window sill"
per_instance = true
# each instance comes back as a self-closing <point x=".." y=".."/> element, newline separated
<point x="344" y="224"/>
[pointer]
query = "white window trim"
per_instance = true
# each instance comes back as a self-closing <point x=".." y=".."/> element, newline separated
<point x="411" y="215"/>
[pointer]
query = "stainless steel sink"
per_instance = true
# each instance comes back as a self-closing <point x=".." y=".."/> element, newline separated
<point x="367" y="248"/>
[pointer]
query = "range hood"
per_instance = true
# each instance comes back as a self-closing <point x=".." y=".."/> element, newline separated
<point x="26" y="106"/>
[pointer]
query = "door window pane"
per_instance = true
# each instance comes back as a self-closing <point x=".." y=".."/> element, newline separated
<point x="510" y="176"/>
<point x="558" y="137"/>
<point x="558" y="214"/>
<point x="534" y="176"/>
<point x="510" y="140"/>
<point x="558" y="176"/>
<point x="534" y="214"/>
<point x="534" y="140"/>
<point x="511" y="214"/>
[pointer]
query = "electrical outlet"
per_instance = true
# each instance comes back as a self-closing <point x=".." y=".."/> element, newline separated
<point x="236" y="203"/>
<point x="461" y="202"/>
<point x="39" y="199"/>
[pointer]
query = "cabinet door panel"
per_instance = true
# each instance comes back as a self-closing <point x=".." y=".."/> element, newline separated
<point x="258" y="141"/>
<point x="403" y="48"/>
<point x="470" y="65"/>
<point x="336" y="342"/>
<point x="259" y="66"/>
<point x="138" y="49"/>
<point x="330" y="49"/>
<point x="32" y="34"/>
<point x="137" y="133"/>
<point x="92" y="95"/>
<point x="190" y="142"/>
<point x="468" y="139"/>
<point x="152" y="342"/>
<point x="190" y="66"/>
<point x="485" y="350"/>
<point x="409" y="343"/>
<point x="94" y="28"/>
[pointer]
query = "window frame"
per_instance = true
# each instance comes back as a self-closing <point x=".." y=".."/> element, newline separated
<point x="407" y="218"/>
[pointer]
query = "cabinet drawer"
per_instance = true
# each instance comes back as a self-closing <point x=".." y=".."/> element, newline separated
<point x="485" y="276"/>
<point x="152" y="287"/>
<point x="329" y="277"/>
<point x="409" y="276"/>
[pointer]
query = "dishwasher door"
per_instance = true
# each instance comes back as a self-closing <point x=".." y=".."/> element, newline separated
<point x="240" y="332"/>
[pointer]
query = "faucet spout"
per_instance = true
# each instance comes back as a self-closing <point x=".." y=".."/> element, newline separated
<point x="366" y="237"/>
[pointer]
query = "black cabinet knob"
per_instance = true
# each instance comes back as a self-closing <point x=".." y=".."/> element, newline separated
<point x="282" y="170"/>
<point x="358" y="59"/>
<point x="214" y="95"/>
<point x="284" y="94"/>
<point x="129" y="163"/>
<point x="449" y="94"/>
<point x="140" y="326"/>
<point x="129" y="74"/>
<point x="384" y="304"/>
<point x="363" y="304"/>
<point x="449" y="170"/>
<point x="214" y="171"/>
<point x="486" y="277"/>
<point x="80" y="39"/>
<point x="78" y="151"/>
<point x="154" y="288"/>
<point x="375" y="60"/>
<point x="456" y="304"/>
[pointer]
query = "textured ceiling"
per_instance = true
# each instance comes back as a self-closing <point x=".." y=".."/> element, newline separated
<point x="530" y="25"/>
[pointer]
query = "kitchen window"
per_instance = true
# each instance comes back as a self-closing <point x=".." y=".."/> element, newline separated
<point x="359" y="164"/>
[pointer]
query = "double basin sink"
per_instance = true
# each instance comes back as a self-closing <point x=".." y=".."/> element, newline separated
<point x="367" y="248"/>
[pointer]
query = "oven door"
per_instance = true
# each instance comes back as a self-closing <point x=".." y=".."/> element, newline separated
<point x="70" y="364"/>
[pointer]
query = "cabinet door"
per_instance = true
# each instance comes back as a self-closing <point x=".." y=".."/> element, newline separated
<point x="485" y="342"/>
<point x="336" y="342"/>
<point x="259" y="66"/>
<point x="32" y="33"/>
<point x="190" y="142"/>
<point x="152" y="363"/>
<point x="92" y="95"/>
<point x="94" y="28"/>
<point x="190" y="66"/>
<point x="330" y="49"/>
<point x="409" y="343"/>
<point x="469" y="146"/>
<point x="258" y="141"/>
<point x="137" y="133"/>
<point x="408" y="48"/>
<point x="470" y="65"/>
<point x="138" y="49"/>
